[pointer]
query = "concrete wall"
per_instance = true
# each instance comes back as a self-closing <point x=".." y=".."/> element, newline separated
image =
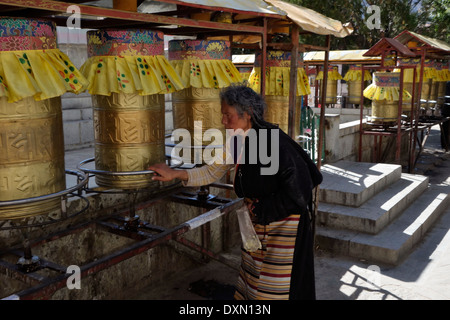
<point x="342" y="142"/>
<point x="345" y="114"/>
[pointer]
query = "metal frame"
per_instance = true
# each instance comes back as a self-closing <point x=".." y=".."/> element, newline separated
<point x="82" y="181"/>
<point x="147" y="236"/>
<point x="416" y="124"/>
<point x="397" y="131"/>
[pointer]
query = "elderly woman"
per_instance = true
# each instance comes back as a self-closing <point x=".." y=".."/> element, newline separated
<point x="278" y="203"/>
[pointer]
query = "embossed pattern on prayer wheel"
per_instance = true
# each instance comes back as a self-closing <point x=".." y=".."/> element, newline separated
<point x="354" y="92"/>
<point x="31" y="132"/>
<point x="198" y="105"/>
<point x="128" y="127"/>
<point x="441" y="92"/>
<point x="385" y="95"/>
<point x="129" y="136"/>
<point x="278" y="113"/>
<point x="331" y="95"/>
<point x="434" y="90"/>
<point x="31" y="153"/>
<point x="331" y="90"/>
<point x="426" y="92"/>
<point x="406" y="106"/>
<point x="353" y="78"/>
<point x="408" y="79"/>
<point x="429" y="92"/>
<point x="384" y="111"/>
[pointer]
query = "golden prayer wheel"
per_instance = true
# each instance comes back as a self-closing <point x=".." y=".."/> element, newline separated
<point x="129" y="123"/>
<point x="408" y="77"/>
<point x="332" y="78"/>
<point x="436" y="80"/>
<point x="331" y="95"/>
<point x="385" y="94"/>
<point x="406" y="106"/>
<point x="31" y="154"/>
<point x="353" y="78"/>
<point x="429" y="91"/>
<point x="354" y="92"/>
<point x="426" y="89"/>
<point x="31" y="130"/>
<point x="193" y="107"/>
<point x="197" y="108"/>
<point x="441" y="92"/>
<point x="278" y="65"/>
<point x="384" y="111"/>
<point x="129" y="136"/>
<point x="441" y="80"/>
<point x="434" y="90"/>
<point x="278" y="113"/>
<point x="425" y="93"/>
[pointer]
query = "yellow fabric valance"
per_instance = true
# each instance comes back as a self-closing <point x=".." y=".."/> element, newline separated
<point x="41" y="74"/>
<point x="442" y="75"/>
<point x="332" y="75"/>
<point x="355" y="75"/>
<point x="202" y="73"/>
<point x="385" y="86"/>
<point x="408" y="74"/>
<point x="446" y="74"/>
<point x="278" y="81"/>
<point x="377" y="93"/>
<point x="145" y="75"/>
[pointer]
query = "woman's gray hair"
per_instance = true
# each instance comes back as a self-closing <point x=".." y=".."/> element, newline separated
<point x="245" y="99"/>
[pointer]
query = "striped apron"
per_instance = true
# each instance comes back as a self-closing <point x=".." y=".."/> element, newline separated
<point x="266" y="273"/>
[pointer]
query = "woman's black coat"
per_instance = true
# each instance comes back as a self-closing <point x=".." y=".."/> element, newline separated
<point x="287" y="192"/>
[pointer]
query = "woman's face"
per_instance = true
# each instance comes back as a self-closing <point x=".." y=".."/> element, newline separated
<point x="232" y="120"/>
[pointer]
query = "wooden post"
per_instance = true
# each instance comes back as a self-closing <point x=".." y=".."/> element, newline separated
<point x="322" y="103"/>
<point x="263" y="59"/>
<point x="293" y="81"/>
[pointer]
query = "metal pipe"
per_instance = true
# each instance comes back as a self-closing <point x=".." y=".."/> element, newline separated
<point x="45" y="290"/>
<point x="399" y="116"/>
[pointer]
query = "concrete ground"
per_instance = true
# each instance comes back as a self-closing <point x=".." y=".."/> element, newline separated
<point x="424" y="275"/>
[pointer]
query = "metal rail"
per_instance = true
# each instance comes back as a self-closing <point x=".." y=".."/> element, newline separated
<point x="147" y="236"/>
<point x="82" y="181"/>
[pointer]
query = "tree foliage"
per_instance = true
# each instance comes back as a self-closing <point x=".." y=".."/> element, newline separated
<point x="427" y="17"/>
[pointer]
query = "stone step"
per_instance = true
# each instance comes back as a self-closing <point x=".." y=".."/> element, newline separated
<point x="353" y="183"/>
<point x="377" y="212"/>
<point x="397" y="240"/>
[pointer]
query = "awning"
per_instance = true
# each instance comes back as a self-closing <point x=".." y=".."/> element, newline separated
<point x="249" y="6"/>
<point x="339" y="56"/>
<point x="317" y="57"/>
<point x="312" y="21"/>
<point x="306" y="19"/>
<point x="435" y="44"/>
<point x="386" y="45"/>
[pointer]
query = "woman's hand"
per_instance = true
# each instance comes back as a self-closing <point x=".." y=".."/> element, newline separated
<point x="165" y="173"/>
